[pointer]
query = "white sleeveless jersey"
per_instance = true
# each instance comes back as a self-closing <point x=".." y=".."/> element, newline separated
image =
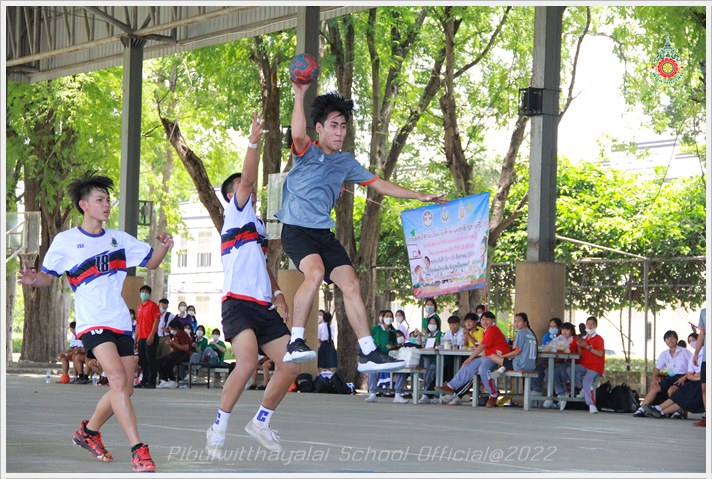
<point x="243" y="246"/>
<point x="96" y="268"/>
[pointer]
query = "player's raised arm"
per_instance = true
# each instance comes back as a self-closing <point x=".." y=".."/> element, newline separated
<point x="249" y="167"/>
<point x="300" y="139"/>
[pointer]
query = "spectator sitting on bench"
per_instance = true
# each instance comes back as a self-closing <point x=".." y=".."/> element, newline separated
<point x="199" y="346"/>
<point x="523" y="356"/>
<point x="93" y="366"/>
<point x="675" y="360"/>
<point x="77" y="354"/>
<point x="266" y="365"/>
<point x="217" y="345"/>
<point x="473" y="333"/>
<point x="180" y="346"/>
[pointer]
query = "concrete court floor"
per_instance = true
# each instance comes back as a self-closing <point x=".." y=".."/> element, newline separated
<point x="323" y="433"/>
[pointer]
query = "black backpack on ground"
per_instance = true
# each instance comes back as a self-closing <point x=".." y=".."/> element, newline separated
<point x="322" y="384"/>
<point x="305" y="383"/>
<point x="603" y="396"/>
<point x="624" y="399"/>
<point x="339" y="383"/>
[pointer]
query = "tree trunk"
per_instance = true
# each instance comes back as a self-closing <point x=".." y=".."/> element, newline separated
<point x="340" y="36"/>
<point x="196" y="169"/>
<point x="155" y="278"/>
<point x="10" y="293"/>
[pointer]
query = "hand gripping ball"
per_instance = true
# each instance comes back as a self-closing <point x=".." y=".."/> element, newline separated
<point x="304" y="69"/>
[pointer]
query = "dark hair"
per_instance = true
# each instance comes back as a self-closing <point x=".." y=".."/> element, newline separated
<point x="692" y="335"/>
<point x="453" y="319"/>
<point x="146" y="287"/>
<point x="132" y="312"/>
<point x="385" y="311"/>
<point x="216" y="330"/>
<point x="490" y="315"/>
<point x="200" y="326"/>
<point x="582" y="328"/>
<point x="592" y="318"/>
<point x="73" y="324"/>
<point x="401" y="312"/>
<point x="480" y="306"/>
<point x="227" y="185"/>
<point x="670" y="333"/>
<point x="570" y="327"/>
<point x="432" y="300"/>
<point x="682" y="343"/>
<point x="324" y="104"/>
<point x="175" y="324"/>
<point x="81" y="188"/>
<point x="190" y="306"/>
<point x="436" y="318"/>
<point x="558" y="322"/>
<point x="163" y="301"/>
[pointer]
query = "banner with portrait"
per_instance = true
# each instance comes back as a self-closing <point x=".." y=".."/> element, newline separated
<point x="447" y="245"/>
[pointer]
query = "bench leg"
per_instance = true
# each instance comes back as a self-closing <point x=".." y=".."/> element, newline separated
<point x="475" y="389"/>
<point x="208" y="374"/>
<point x="414" y="380"/>
<point x="527" y="385"/>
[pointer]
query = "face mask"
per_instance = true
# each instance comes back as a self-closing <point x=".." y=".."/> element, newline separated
<point x="163" y="310"/>
<point x="429" y="310"/>
<point x="188" y="330"/>
<point x="216" y="338"/>
<point x="173" y="332"/>
<point x="388" y="321"/>
<point x="199" y="333"/>
<point x="144" y="296"/>
<point x="553" y="331"/>
<point x="401" y="340"/>
<point x="432" y="327"/>
<point x="399" y="319"/>
<point x="182" y="309"/>
<point x="191" y="312"/>
<point x="590" y="331"/>
<point x="693" y="344"/>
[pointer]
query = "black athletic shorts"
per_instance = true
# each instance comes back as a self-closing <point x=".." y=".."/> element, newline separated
<point x="95" y="337"/>
<point x="508" y="364"/>
<point x="239" y="314"/>
<point x="703" y="371"/>
<point x="299" y="242"/>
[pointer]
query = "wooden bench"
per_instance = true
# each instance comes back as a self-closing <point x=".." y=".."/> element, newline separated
<point x="415" y="374"/>
<point x="526" y="375"/>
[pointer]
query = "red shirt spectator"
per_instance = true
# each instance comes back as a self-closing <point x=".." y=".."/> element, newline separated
<point x="494" y="341"/>
<point x="590" y="360"/>
<point x="147" y="316"/>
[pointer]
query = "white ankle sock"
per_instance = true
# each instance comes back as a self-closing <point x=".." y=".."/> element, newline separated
<point x="221" y="421"/>
<point x="297" y="333"/>
<point x="263" y="416"/>
<point x="366" y="344"/>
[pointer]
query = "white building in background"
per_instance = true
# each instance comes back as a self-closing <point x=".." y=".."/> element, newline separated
<point x="196" y="270"/>
<point x="657" y="153"/>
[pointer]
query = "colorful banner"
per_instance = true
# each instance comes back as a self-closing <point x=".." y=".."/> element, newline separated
<point x="447" y="245"/>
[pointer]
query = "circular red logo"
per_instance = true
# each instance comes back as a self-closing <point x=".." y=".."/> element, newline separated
<point x="667" y="67"/>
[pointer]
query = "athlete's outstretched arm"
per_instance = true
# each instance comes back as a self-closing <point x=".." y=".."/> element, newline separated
<point x="32" y="277"/>
<point x="249" y="167"/>
<point x="299" y="119"/>
<point x="391" y="189"/>
<point x="165" y="242"/>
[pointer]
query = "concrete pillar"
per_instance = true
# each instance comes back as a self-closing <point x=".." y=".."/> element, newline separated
<point x="541" y="228"/>
<point x="540" y="292"/>
<point x="308" y="42"/>
<point x="289" y="281"/>
<point x="131" y="137"/>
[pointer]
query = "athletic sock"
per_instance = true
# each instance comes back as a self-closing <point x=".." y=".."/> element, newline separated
<point x="297" y="333"/>
<point x="221" y="421"/>
<point x="658" y="408"/>
<point x="136" y="446"/>
<point x="263" y="416"/>
<point x="367" y="345"/>
<point x="89" y="431"/>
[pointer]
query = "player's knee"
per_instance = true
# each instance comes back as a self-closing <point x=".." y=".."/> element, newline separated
<point x="246" y="366"/>
<point x="314" y="277"/>
<point x="290" y="369"/>
<point x="351" y="287"/>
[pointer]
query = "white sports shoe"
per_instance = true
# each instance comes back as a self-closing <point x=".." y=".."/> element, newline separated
<point x="548" y="404"/>
<point x="171" y="385"/>
<point x="214" y="440"/>
<point x="163" y="384"/>
<point x="371" y="397"/>
<point x="562" y="401"/>
<point x="264" y="435"/>
<point x="424" y="399"/>
<point x="497" y="372"/>
<point x="456" y="401"/>
<point x="400" y="399"/>
<point x="593" y="409"/>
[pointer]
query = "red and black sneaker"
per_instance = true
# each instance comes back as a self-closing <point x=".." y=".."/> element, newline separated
<point x="141" y="460"/>
<point x="92" y="443"/>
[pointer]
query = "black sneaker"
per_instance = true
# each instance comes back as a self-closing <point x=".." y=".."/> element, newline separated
<point x="653" y="412"/>
<point x="298" y="352"/>
<point x="376" y="361"/>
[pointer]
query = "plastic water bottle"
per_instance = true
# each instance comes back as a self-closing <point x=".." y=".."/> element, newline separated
<point x="95" y="380"/>
<point x="48" y="378"/>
